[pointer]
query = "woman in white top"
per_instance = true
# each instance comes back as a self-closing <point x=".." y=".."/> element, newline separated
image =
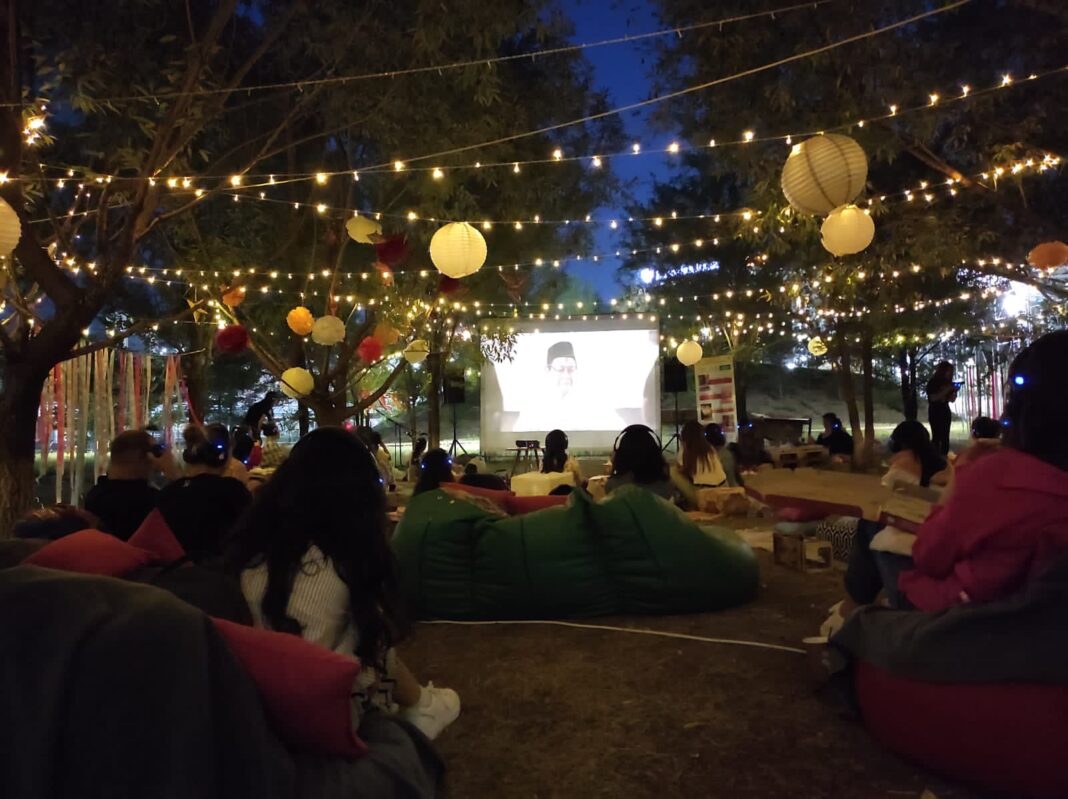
<point x="697" y="460"/>
<point x="314" y="561"/>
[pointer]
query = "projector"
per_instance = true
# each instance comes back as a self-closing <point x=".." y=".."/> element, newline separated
<point x="527" y="444"/>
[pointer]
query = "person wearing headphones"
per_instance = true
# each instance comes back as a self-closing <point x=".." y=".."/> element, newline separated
<point x="556" y="458"/>
<point x="638" y="459"/>
<point x="834" y="437"/>
<point x="202" y="506"/>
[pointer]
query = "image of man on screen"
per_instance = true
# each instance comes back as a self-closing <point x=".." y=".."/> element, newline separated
<point x="563" y="399"/>
<point x="561" y="364"/>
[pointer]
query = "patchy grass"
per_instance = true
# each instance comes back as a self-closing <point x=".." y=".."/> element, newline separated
<point x="560" y="712"/>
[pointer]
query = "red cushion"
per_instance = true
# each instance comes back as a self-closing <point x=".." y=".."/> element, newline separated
<point x="155" y="537"/>
<point x="1006" y="737"/>
<point x="305" y="688"/>
<point x="796" y="509"/>
<point x="519" y="505"/>
<point x="91" y="552"/>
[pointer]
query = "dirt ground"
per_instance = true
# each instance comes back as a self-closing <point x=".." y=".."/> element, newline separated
<point x="559" y="712"/>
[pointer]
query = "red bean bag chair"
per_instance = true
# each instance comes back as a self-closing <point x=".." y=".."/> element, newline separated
<point x="1006" y="737"/>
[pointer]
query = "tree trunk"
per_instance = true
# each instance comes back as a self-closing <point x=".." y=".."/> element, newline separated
<point x="849" y="391"/>
<point x="433" y="401"/>
<point x="19" y="403"/>
<point x="868" y="388"/>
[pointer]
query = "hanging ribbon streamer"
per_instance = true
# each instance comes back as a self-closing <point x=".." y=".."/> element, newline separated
<point x="188" y="403"/>
<point x="44" y="422"/>
<point x="61" y="429"/>
<point x="120" y="418"/>
<point x="146" y="402"/>
<point x="135" y="394"/>
<point x="170" y="387"/>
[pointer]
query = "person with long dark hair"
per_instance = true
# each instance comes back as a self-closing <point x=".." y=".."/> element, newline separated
<point x="697" y="460"/>
<point x="1003" y="517"/>
<point x="435" y="468"/>
<point x="717" y="439"/>
<point x="637" y="459"/>
<point x="914" y="458"/>
<point x="314" y="561"/>
<point x="556" y="458"/>
<point x="941" y="392"/>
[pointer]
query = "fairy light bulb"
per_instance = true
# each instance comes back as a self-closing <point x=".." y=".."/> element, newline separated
<point x="596" y="162"/>
<point x="748" y="136"/>
<point x="235" y="180"/>
<point x="933" y="97"/>
<point x="558" y="154"/>
<point x="398" y="166"/>
<point x="1006" y="79"/>
<point x="636" y="148"/>
<point x="320" y="178"/>
<point x="673" y="148"/>
<point x="438" y="173"/>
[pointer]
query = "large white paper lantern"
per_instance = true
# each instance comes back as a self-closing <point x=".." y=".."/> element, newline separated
<point x="361" y="228"/>
<point x="689" y="352"/>
<point x="416" y="352"/>
<point x="328" y="331"/>
<point x="458" y="250"/>
<point x="10" y="228"/>
<point x="823" y="173"/>
<point x="297" y="382"/>
<point x="847" y="230"/>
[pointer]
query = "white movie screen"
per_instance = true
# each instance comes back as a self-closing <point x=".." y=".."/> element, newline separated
<point x="590" y="379"/>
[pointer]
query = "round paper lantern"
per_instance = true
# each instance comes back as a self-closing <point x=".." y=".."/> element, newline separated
<point x="10" y="228"/>
<point x="847" y="230"/>
<point x="234" y="296"/>
<point x="232" y="339"/>
<point x="328" y="331"/>
<point x="416" y="351"/>
<point x="370" y="349"/>
<point x="817" y="347"/>
<point x="386" y="334"/>
<point x="1048" y="255"/>
<point x="458" y="250"/>
<point x="297" y="382"/>
<point x="689" y="352"/>
<point x="362" y="228"/>
<point x="823" y="173"/>
<point x="300" y="320"/>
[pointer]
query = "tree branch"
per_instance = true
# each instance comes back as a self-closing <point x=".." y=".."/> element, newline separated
<point x="379" y="392"/>
<point x="132" y="330"/>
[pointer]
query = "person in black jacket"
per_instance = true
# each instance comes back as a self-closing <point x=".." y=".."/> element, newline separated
<point x="834" y="437"/>
<point x="941" y="392"/>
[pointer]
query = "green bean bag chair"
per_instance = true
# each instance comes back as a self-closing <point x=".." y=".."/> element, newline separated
<point x="631" y="553"/>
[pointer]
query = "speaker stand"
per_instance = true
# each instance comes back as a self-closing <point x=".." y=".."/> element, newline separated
<point x="675" y="438"/>
<point x="455" y="441"/>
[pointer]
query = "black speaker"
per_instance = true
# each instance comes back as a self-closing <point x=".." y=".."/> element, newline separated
<point x="674" y="376"/>
<point x="453" y="389"/>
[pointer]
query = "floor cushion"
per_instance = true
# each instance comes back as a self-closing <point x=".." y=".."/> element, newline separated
<point x="91" y="552"/>
<point x="1003" y="737"/>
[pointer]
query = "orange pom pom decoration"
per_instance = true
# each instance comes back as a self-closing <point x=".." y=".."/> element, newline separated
<point x="1049" y="255"/>
<point x="370" y="350"/>
<point x="386" y="334"/>
<point x="234" y="296"/>
<point x="300" y="320"/>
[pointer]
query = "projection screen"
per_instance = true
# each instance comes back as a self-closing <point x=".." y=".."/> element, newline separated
<point x="588" y="378"/>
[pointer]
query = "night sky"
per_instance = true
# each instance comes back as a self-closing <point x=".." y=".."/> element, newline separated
<point x="621" y="70"/>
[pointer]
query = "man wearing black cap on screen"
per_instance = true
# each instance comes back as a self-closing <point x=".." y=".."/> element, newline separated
<point x="563" y="402"/>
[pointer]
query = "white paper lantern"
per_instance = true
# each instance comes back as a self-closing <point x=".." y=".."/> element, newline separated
<point x="328" y="331"/>
<point x="458" y="250"/>
<point x="361" y="228"/>
<point x="823" y="173"/>
<point x="297" y="382"/>
<point x="817" y="347"/>
<point x="689" y="352"/>
<point x="416" y="352"/>
<point x="10" y="228"/>
<point x="847" y="230"/>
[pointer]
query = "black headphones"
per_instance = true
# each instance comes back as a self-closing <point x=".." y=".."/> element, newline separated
<point x="635" y="428"/>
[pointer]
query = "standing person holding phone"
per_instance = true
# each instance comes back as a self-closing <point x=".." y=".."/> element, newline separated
<point x="941" y="391"/>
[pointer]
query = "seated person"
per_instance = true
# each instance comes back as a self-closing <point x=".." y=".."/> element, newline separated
<point x="718" y="441"/>
<point x="556" y="458"/>
<point x="638" y="459"/>
<point x="749" y="452"/>
<point x="435" y="468"/>
<point x="697" y="460"/>
<point x="914" y="459"/>
<point x="273" y="452"/>
<point x="834" y="437"/>
<point x="1002" y="518"/>
<point x="986" y="434"/>
<point x="472" y="477"/>
<point x="314" y="560"/>
<point x="124" y="497"/>
<point x="202" y="506"/>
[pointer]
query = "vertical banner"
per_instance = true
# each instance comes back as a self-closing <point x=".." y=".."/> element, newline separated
<point x="714" y="378"/>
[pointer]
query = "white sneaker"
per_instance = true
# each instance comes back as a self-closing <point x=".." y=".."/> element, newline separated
<point x="834" y="622"/>
<point x="436" y="710"/>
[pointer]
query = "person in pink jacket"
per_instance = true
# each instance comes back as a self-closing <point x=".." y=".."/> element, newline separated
<point x="1003" y="517"/>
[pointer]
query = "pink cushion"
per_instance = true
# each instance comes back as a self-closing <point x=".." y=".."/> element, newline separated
<point x="1005" y="737"/>
<point x="305" y="688"/>
<point x="796" y="509"/>
<point x="155" y="536"/>
<point x="516" y="506"/>
<point x="91" y="552"/>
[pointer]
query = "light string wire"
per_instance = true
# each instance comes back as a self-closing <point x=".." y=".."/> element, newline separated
<point x="447" y="66"/>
